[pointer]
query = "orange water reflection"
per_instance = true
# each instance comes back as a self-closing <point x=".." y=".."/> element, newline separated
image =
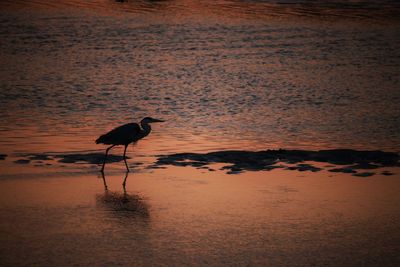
<point x="219" y="84"/>
<point x="186" y="216"/>
<point x="230" y="86"/>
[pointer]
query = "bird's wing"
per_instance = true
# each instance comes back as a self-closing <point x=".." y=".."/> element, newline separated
<point x="121" y="135"/>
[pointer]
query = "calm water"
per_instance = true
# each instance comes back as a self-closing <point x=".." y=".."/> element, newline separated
<point x="176" y="218"/>
<point x="224" y="74"/>
<point x="243" y="75"/>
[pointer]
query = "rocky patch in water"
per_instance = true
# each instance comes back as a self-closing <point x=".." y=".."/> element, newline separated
<point x="349" y="161"/>
<point x="75" y="158"/>
<point x="239" y="161"/>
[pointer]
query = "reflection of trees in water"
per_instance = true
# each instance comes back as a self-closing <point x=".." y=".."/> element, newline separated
<point x="123" y="204"/>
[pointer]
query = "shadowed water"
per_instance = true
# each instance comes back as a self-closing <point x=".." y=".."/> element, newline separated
<point x="261" y="9"/>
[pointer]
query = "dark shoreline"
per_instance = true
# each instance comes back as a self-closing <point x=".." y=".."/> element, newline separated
<point x="267" y="160"/>
<point x="349" y="161"/>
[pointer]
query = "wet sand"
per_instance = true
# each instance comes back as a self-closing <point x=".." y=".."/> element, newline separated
<point x="188" y="216"/>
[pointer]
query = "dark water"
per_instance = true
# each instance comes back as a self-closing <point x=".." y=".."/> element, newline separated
<point x="224" y="74"/>
<point x="370" y="9"/>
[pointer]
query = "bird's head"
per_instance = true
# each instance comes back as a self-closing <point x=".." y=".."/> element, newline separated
<point x="150" y="120"/>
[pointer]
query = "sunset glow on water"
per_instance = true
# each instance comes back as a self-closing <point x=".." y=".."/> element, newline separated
<point x="314" y="82"/>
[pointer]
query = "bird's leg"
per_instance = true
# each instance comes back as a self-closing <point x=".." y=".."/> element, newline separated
<point x="126" y="164"/>
<point x="124" y="183"/>
<point x="104" y="182"/>
<point x="105" y="158"/>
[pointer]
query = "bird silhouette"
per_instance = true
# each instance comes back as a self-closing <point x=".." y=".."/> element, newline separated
<point x="124" y="135"/>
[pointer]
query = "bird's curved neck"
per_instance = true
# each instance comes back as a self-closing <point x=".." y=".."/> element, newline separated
<point x="146" y="128"/>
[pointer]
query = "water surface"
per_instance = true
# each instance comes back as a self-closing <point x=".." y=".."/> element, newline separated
<point x="69" y="73"/>
<point x="244" y="75"/>
<point x="176" y="218"/>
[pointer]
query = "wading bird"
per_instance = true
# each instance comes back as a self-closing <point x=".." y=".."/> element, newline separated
<point x="124" y="135"/>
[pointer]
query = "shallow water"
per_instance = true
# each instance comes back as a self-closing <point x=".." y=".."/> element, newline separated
<point x="170" y="217"/>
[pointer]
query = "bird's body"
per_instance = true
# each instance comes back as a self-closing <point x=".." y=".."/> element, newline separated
<point x="122" y="135"/>
<point x="125" y="135"/>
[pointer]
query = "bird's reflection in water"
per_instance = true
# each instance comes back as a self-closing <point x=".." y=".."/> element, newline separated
<point x="123" y="204"/>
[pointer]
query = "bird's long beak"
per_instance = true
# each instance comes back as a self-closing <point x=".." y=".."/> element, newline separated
<point x="156" y="120"/>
